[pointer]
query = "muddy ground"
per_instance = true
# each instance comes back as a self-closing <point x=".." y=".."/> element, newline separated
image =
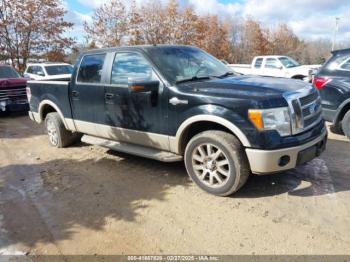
<point x="89" y="200"/>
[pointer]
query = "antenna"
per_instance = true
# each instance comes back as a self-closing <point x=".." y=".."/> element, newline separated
<point x="335" y="32"/>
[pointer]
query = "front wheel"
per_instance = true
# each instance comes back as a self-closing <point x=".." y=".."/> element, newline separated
<point x="216" y="162"/>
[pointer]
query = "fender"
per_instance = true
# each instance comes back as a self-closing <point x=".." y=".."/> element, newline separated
<point x="68" y="123"/>
<point x="176" y="141"/>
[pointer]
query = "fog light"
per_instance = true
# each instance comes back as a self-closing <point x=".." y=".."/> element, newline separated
<point x="284" y="160"/>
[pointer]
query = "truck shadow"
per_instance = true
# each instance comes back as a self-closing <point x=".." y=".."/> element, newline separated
<point x="47" y="202"/>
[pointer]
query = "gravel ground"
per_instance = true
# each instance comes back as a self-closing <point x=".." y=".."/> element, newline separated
<point x="89" y="200"/>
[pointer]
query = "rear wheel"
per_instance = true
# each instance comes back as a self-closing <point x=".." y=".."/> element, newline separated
<point x="59" y="136"/>
<point x="346" y="124"/>
<point x="216" y="162"/>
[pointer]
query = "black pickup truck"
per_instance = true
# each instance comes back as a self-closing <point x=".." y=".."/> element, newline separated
<point x="171" y="103"/>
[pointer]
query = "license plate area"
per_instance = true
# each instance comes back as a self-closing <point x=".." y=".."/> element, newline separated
<point x="310" y="153"/>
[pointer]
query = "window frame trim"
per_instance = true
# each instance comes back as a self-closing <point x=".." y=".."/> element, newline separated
<point x="109" y="84"/>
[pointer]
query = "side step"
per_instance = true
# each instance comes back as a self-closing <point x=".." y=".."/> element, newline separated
<point x="132" y="149"/>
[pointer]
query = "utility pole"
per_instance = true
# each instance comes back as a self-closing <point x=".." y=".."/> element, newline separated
<point x="335" y="32"/>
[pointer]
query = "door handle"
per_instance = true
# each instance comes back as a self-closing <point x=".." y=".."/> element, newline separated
<point x="75" y="93"/>
<point x="175" y="101"/>
<point x="109" y="96"/>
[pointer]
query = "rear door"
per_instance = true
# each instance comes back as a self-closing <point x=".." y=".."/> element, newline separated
<point x="87" y="94"/>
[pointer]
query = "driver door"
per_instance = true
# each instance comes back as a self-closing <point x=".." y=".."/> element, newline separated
<point x="136" y="117"/>
<point x="273" y="67"/>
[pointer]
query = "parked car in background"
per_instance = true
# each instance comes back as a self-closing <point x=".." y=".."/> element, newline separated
<point x="12" y="90"/>
<point x="333" y="82"/>
<point x="174" y="103"/>
<point x="276" y="66"/>
<point x="49" y="71"/>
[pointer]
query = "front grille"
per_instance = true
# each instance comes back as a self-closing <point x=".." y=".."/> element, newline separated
<point x="306" y="109"/>
<point x="17" y="93"/>
<point x="308" y="99"/>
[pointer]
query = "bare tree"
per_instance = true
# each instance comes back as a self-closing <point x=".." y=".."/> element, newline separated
<point x="110" y="24"/>
<point x="32" y="27"/>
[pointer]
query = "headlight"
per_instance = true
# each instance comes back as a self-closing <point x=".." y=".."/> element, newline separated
<point x="272" y="119"/>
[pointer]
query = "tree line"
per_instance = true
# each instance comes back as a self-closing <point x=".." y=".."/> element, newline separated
<point x="36" y="29"/>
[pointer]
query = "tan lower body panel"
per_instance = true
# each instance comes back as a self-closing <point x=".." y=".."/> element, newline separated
<point x="266" y="161"/>
<point x="125" y="135"/>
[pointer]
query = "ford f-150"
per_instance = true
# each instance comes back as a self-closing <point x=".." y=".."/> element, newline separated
<point x="174" y="103"/>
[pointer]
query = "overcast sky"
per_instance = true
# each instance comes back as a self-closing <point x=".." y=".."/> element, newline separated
<point x="310" y="19"/>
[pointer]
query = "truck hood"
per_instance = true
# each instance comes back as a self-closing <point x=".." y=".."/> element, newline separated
<point x="247" y="86"/>
<point x="12" y="82"/>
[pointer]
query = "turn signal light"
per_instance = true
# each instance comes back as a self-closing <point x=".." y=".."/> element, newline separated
<point x="136" y="87"/>
<point x="256" y="118"/>
<point x="320" y="81"/>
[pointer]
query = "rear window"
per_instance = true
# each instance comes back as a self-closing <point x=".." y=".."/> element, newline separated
<point x="337" y="65"/>
<point x="59" y="69"/>
<point x="346" y="65"/>
<point x="90" y="70"/>
<point x="258" y="63"/>
<point x="8" y="72"/>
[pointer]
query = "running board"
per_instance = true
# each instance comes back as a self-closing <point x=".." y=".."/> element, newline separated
<point x="132" y="149"/>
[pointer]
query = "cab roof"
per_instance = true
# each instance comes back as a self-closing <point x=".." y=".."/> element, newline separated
<point x="130" y="48"/>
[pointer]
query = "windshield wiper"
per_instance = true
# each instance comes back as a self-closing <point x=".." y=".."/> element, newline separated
<point x="228" y="73"/>
<point x="193" y="78"/>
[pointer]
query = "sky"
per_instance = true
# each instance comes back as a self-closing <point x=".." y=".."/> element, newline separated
<point x="310" y="19"/>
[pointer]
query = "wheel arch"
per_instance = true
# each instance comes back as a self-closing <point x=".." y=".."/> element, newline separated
<point x="299" y="76"/>
<point x="343" y="108"/>
<point x="202" y="123"/>
<point x="47" y="106"/>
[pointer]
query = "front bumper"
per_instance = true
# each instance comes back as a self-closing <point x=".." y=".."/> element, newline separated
<point x="14" y="105"/>
<point x="272" y="161"/>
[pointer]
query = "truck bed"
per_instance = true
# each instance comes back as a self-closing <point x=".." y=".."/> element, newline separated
<point x="55" y="91"/>
<point x="244" y="69"/>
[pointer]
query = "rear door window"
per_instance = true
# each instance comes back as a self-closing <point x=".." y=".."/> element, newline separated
<point x="90" y="70"/>
<point x="258" y="63"/>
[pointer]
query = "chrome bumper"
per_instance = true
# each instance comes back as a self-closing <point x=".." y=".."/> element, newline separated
<point x="271" y="161"/>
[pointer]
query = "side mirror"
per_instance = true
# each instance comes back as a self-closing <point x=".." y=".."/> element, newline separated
<point x="143" y="85"/>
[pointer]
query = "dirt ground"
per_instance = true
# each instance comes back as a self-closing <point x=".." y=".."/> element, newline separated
<point x="90" y="200"/>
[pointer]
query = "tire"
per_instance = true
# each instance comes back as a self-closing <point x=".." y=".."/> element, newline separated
<point x="206" y="169"/>
<point x="345" y="123"/>
<point x="59" y="136"/>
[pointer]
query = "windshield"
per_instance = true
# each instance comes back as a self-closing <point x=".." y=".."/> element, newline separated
<point x="59" y="69"/>
<point x="288" y="62"/>
<point x="8" y="72"/>
<point x="179" y="63"/>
